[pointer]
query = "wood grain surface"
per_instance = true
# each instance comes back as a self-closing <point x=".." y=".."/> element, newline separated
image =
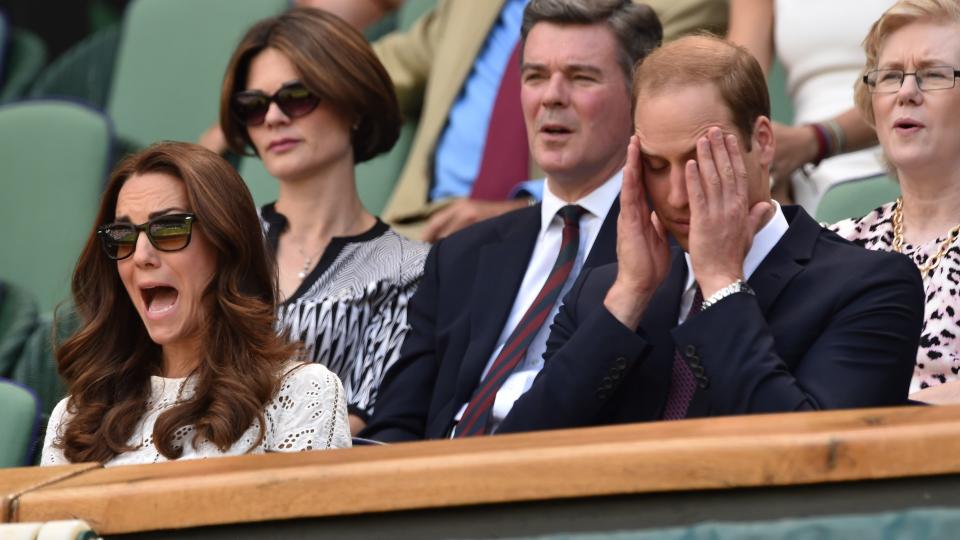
<point x="718" y="453"/>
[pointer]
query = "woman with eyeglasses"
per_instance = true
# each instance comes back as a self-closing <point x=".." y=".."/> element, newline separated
<point x="909" y="93"/>
<point x="175" y="357"/>
<point x="305" y="92"/>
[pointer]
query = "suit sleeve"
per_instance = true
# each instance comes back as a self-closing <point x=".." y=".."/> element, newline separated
<point x="585" y="361"/>
<point x="402" y="408"/>
<point x="408" y="56"/>
<point x="863" y="356"/>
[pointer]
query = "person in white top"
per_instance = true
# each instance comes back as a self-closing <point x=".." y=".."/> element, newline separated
<point x="818" y="43"/>
<point x="176" y="356"/>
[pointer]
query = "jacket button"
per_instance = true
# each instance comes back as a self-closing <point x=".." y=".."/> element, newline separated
<point x="690" y="350"/>
<point x="621" y="363"/>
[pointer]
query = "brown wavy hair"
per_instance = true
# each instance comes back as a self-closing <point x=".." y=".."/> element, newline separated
<point x="107" y="364"/>
<point x="335" y="62"/>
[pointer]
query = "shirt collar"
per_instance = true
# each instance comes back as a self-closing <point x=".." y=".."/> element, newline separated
<point x="596" y="203"/>
<point x="763" y="243"/>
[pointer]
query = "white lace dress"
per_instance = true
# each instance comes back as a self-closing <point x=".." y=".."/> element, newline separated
<point x="309" y="412"/>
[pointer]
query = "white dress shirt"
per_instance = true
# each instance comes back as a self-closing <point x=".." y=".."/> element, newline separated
<point x="763" y="242"/>
<point x="597" y="204"/>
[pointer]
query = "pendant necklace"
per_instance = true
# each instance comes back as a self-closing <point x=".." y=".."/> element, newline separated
<point x="307" y="262"/>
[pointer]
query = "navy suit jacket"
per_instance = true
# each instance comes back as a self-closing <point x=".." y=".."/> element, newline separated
<point x="470" y="282"/>
<point x="832" y="325"/>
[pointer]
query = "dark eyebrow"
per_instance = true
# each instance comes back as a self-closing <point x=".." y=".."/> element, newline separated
<point x="170" y="210"/>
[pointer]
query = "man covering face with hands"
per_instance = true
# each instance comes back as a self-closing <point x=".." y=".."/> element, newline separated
<point x="752" y="307"/>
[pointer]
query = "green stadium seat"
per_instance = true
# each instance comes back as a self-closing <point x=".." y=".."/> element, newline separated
<point x="25" y="56"/>
<point x="83" y="72"/>
<point x="170" y="64"/>
<point x="856" y="198"/>
<point x="55" y="156"/>
<point x="18" y="320"/>
<point x="19" y="424"/>
<point x="781" y="108"/>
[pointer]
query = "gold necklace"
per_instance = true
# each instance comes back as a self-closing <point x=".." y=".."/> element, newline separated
<point x="932" y="262"/>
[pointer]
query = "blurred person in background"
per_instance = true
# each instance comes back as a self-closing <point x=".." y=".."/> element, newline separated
<point x="818" y="43"/>
<point x="305" y="93"/>
<point x="909" y="93"/>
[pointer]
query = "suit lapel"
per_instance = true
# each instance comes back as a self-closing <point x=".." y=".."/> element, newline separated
<point x="500" y="270"/>
<point x="786" y="259"/>
<point x="778" y="268"/>
<point x="604" y="250"/>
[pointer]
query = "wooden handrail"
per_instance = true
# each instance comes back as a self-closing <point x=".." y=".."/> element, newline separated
<point x="718" y="453"/>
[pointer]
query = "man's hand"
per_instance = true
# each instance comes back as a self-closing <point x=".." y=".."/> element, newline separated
<point x="722" y="223"/>
<point x="463" y="212"/>
<point x="643" y="254"/>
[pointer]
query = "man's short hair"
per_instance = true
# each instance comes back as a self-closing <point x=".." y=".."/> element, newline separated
<point x="635" y="26"/>
<point x="702" y="59"/>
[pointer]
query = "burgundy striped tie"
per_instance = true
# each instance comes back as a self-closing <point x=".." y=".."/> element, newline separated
<point x="475" y="420"/>
<point x="682" y="382"/>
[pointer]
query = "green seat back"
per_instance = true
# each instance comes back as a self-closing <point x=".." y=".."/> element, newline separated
<point x="411" y="10"/>
<point x="856" y="198"/>
<point x="262" y="186"/>
<point x="781" y="108"/>
<point x="82" y="72"/>
<point x="26" y="56"/>
<point x="54" y="157"/>
<point x="18" y="424"/>
<point x="18" y="319"/>
<point x="171" y="61"/>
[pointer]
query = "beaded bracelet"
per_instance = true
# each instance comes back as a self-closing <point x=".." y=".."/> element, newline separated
<point x="823" y="143"/>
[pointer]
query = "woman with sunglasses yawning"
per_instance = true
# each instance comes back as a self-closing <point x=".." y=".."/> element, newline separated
<point x="305" y="92"/>
<point x="175" y="356"/>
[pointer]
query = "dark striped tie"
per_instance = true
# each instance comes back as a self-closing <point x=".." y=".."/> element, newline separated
<point x="475" y="420"/>
<point x="682" y="382"/>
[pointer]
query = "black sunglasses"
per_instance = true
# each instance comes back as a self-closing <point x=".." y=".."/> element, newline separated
<point x="170" y="232"/>
<point x="293" y="98"/>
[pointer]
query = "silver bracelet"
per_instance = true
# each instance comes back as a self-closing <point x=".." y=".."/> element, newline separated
<point x="738" y="286"/>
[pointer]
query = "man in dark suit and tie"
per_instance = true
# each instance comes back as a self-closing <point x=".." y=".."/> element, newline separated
<point x="480" y="318"/>
<point x="759" y="309"/>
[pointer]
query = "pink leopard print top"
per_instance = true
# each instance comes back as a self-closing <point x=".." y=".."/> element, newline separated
<point x="938" y="358"/>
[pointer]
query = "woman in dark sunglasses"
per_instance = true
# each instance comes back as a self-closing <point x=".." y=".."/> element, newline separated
<point x="305" y="93"/>
<point x="175" y="356"/>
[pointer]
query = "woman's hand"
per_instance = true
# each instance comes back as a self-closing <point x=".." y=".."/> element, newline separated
<point x="944" y="394"/>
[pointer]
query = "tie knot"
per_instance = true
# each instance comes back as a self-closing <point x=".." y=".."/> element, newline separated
<point x="570" y="214"/>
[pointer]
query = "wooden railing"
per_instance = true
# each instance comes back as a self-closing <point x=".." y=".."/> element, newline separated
<point x="707" y="454"/>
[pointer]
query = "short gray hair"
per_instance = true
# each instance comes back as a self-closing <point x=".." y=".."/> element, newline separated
<point x="635" y="26"/>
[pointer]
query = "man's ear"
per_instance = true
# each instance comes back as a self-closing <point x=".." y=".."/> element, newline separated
<point x="763" y="141"/>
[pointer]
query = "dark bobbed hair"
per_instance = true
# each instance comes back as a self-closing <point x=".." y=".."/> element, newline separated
<point x="335" y="62"/>
<point x="706" y="59"/>
<point x="635" y="26"/>
<point x="107" y="364"/>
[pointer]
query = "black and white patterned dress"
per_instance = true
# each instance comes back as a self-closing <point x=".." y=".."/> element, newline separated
<point x="350" y="312"/>
<point x="938" y="358"/>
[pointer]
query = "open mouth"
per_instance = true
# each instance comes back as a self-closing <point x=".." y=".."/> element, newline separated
<point x="907" y="124"/>
<point x="160" y="298"/>
<point x="555" y="130"/>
